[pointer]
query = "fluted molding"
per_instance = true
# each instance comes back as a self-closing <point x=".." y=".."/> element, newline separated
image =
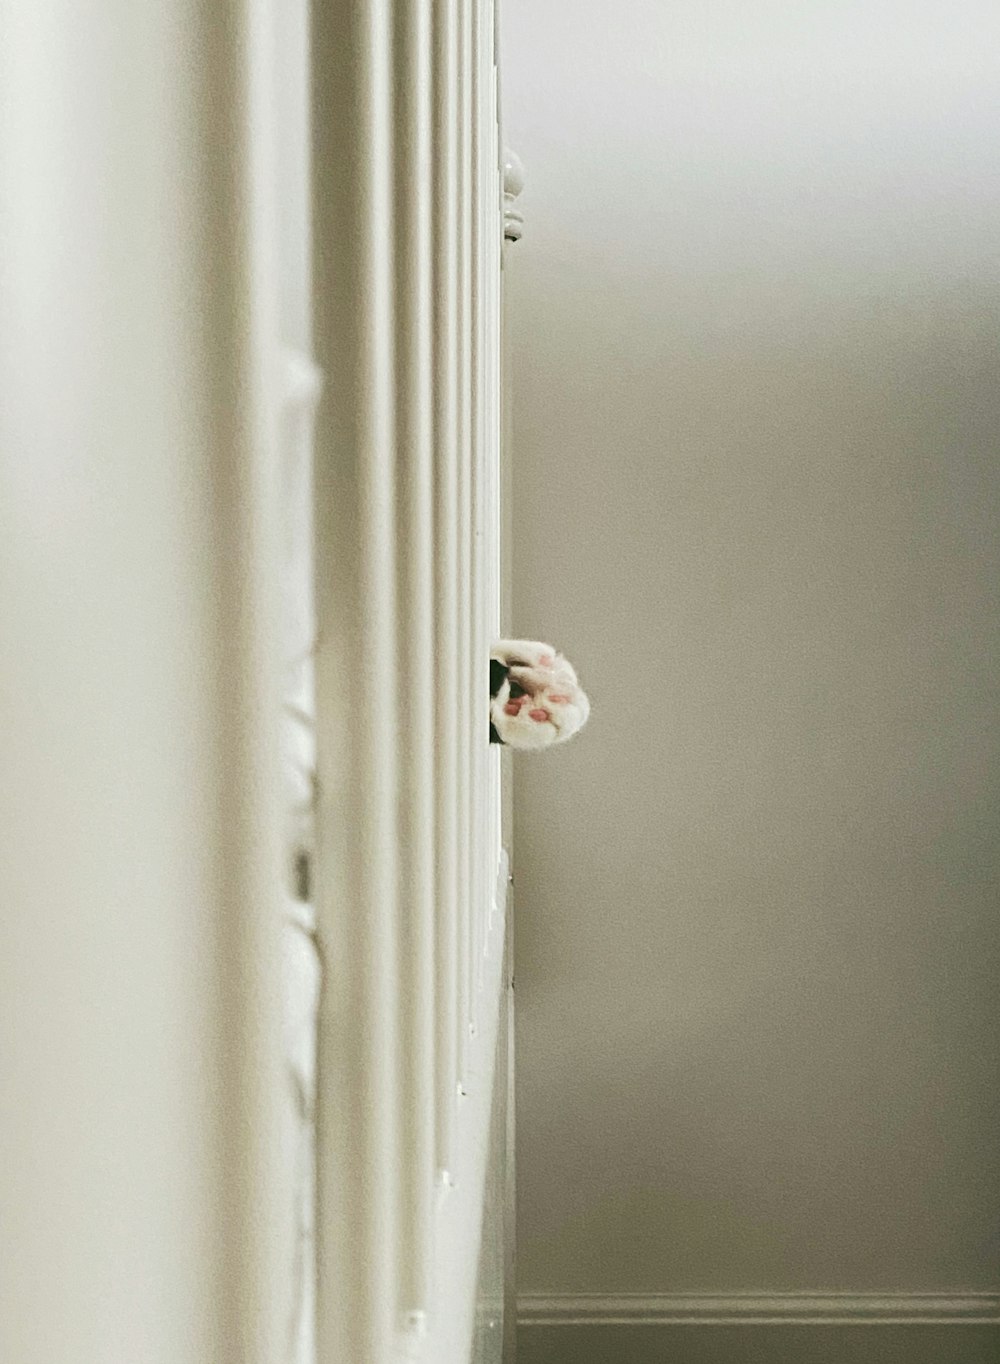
<point x="406" y="307"/>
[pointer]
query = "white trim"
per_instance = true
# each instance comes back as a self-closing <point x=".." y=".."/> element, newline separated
<point x="761" y="1309"/>
<point x="407" y="273"/>
<point x="461" y="1198"/>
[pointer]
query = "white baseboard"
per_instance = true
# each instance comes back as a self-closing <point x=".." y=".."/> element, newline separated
<point x="761" y="1309"/>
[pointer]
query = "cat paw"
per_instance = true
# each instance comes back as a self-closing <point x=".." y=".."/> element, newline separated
<point x="539" y="702"/>
<point x="529" y="653"/>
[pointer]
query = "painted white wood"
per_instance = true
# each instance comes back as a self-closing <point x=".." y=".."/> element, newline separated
<point x="416" y="608"/>
<point x="301" y="385"/>
<point x="505" y="497"/>
<point x="477" y="585"/>
<point x="301" y="969"/>
<point x="357" y="731"/>
<point x="410" y="877"/>
<point x="446" y="646"/>
<point x="466" y="645"/>
<point x="143" y="1199"/>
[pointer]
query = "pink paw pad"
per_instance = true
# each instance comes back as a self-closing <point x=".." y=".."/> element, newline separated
<point x="539" y="715"/>
<point x="546" y="661"/>
<point x="558" y="700"/>
<point x="512" y="707"/>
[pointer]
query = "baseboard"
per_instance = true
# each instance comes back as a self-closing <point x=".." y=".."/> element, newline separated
<point x="750" y="1309"/>
<point x="760" y="1328"/>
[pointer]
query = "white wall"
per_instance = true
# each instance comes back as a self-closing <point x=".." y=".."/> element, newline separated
<point x="757" y="418"/>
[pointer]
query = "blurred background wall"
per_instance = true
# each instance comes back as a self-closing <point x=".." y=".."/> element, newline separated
<point x="757" y="488"/>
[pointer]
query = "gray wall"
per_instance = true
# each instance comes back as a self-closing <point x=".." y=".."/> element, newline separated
<point x="757" y="416"/>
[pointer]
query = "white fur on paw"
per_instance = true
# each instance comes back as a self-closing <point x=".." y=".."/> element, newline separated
<point x="540" y="702"/>
<point x="530" y="652"/>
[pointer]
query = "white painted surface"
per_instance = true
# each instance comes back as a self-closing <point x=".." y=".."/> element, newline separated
<point x="143" y="1196"/>
<point x="756" y="501"/>
<point x="411" y="879"/>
